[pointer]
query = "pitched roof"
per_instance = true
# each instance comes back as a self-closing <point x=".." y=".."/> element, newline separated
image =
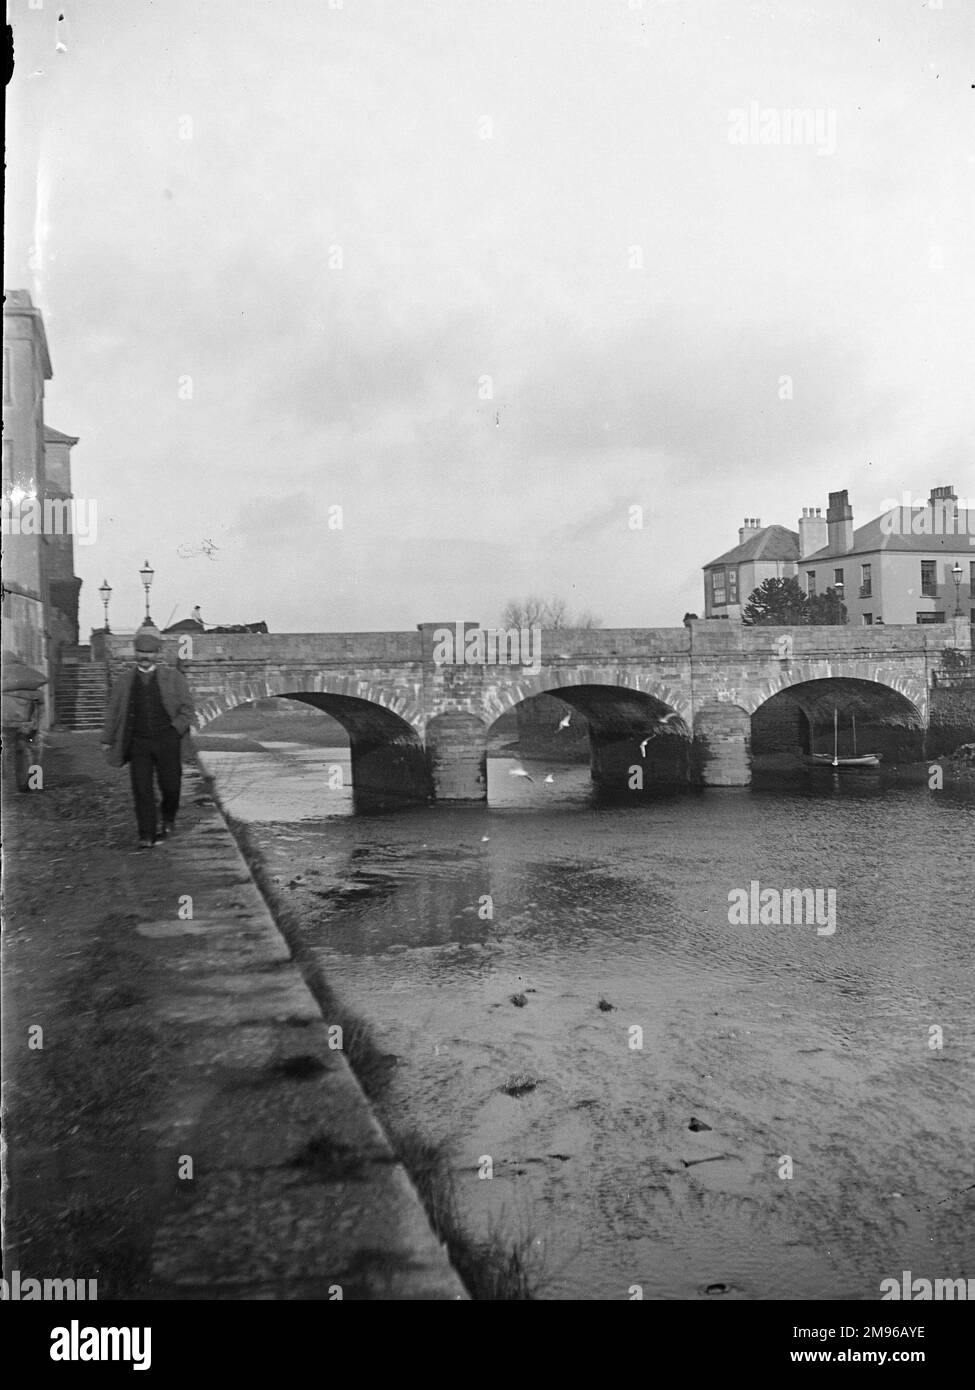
<point x="19" y="302"/>
<point x="895" y="530"/>
<point x="53" y="436"/>
<point x="770" y="543"/>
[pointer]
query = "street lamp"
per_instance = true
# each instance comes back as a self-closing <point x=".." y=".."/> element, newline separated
<point x="839" y="588"/>
<point x="106" y="594"/>
<point x="956" y="574"/>
<point x="146" y="574"/>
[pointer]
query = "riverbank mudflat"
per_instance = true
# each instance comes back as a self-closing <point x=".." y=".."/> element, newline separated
<point x="506" y="1034"/>
<point x="959" y="767"/>
<point x="177" y="1124"/>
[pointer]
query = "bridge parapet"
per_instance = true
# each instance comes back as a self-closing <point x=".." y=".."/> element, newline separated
<point x="720" y="638"/>
<point x="593" y="645"/>
<point x="294" y="649"/>
<point x="577" y="644"/>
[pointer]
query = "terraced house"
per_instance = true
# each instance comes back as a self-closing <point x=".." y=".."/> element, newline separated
<point x="40" y="588"/>
<point x="910" y="564"/>
<point x="913" y="563"/>
<point x="769" y="552"/>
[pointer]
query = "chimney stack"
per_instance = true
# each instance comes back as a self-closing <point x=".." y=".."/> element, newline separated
<point x="813" y="531"/>
<point x="752" y="526"/>
<point x="943" y="503"/>
<point x="839" y="523"/>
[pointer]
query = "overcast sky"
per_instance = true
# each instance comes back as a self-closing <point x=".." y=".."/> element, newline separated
<point x="494" y="173"/>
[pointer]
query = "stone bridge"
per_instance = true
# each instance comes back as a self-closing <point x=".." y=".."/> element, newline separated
<point x="418" y="725"/>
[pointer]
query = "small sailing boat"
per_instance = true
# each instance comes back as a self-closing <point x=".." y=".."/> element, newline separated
<point x="865" y="760"/>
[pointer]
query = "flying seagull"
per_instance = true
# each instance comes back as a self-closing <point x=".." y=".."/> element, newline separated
<point x="661" y="724"/>
<point x="519" y="772"/>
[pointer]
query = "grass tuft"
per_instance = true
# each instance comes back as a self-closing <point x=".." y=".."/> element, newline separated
<point x="520" y="1084"/>
<point x="495" y="1269"/>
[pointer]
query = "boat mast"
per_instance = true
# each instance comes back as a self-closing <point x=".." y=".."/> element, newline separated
<point x="854" y="735"/>
<point x="836" y="735"/>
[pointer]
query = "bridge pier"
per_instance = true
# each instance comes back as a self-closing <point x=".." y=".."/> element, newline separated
<point x="722" y="745"/>
<point x="619" y="767"/>
<point x="387" y="775"/>
<point x="457" y="756"/>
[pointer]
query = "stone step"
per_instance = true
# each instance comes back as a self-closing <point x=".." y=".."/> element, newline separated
<point x="72" y="680"/>
<point x="81" y="693"/>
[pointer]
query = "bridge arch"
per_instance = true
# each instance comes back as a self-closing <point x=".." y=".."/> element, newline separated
<point x="798" y="719"/>
<point x="217" y="693"/>
<point x="388" y="759"/>
<point x="910" y="684"/>
<point x="637" y="738"/>
<point x="504" y="694"/>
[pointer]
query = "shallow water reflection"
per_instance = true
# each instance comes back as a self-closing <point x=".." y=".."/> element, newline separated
<point x="589" y="947"/>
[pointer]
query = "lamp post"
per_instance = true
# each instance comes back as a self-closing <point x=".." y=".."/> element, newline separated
<point x="146" y="575"/>
<point x="956" y="574"/>
<point x="106" y="593"/>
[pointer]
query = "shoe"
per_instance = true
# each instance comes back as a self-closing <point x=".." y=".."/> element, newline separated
<point x="147" y="844"/>
<point x="168" y="829"/>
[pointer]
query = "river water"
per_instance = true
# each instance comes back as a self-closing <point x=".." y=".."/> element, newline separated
<point x="839" y="1143"/>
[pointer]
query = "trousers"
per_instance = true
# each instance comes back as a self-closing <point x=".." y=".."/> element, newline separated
<point x="151" y="758"/>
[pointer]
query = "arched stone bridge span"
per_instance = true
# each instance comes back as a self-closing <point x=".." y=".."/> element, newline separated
<point x="682" y="704"/>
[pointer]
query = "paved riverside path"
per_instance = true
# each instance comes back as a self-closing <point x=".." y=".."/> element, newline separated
<point x="180" y="1128"/>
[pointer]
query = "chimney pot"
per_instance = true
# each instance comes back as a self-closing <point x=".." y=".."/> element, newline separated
<point x="813" y="533"/>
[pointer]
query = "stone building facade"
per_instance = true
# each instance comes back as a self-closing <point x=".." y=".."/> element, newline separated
<point x="26" y="367"/>
<point x="40" y="588"/>
<point x="910" y="564"/>
<point x="900" y="567"/>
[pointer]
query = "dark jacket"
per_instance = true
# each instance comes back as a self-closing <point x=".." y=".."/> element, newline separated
<point x="177" y="700"/>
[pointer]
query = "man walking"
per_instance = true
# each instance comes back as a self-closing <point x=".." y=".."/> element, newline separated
<point x="150" y="712"/>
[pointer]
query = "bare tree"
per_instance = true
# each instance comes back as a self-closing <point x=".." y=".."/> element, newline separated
<point x="552" y="613"/>
<point x="556" y="613"/>
<point x="526" y="612"/>
<point x="586" y="619"/>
